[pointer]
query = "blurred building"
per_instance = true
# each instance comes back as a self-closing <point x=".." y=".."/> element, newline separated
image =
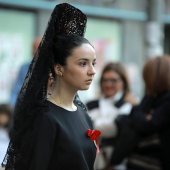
<point x="129" y="31"/>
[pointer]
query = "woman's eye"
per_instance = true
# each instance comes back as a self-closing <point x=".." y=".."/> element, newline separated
<point x="94" y="63"/>
<point x="83" y="64"/>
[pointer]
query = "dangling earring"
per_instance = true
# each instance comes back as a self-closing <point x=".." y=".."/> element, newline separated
<point x="61" y="74"/>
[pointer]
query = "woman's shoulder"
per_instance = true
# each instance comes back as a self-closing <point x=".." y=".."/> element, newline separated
<point x="92" y="104"/>
<point x="126" y="108"/>
<point x="129" y="98"/>
<point x="46" y="113"/>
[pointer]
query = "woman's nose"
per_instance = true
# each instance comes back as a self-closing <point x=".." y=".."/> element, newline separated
<point x="92" y="71"/>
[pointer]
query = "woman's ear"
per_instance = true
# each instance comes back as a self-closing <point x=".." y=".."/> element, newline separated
<point x="58" y="69"/>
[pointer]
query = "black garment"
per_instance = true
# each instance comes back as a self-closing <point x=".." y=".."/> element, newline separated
<point x="140" y="128"/>
<point x="160" y="124"/>
<point x="62" y="142"/>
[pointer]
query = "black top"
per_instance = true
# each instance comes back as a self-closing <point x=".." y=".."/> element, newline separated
<point x="160" y="123"/>
<point x="61" y="140"/>
<point x="136" y="128"/>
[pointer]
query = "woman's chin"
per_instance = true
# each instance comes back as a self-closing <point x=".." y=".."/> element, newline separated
<point x="107" y="95"/>
<point x="84" y="88"/>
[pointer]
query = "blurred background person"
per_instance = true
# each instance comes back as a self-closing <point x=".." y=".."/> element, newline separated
<point x="5" y="119"/>
<point x="153" y="116"/>
<point x="21" y="74"/>
<point x="116" y="99"/>
<point x="149" y="122"/>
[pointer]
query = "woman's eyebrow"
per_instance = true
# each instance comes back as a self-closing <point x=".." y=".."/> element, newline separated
<point x="85" y="59"/>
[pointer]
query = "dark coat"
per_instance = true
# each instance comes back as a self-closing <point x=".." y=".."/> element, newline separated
<point x="136" y="127"/>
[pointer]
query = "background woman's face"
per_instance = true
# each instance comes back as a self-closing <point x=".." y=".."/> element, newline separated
<point x="4" y="119"/>
<point x="111" y="83"/>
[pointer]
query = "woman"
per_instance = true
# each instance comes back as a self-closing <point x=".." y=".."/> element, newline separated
<point x="147" y="131"/>
<point x="116" y="100"/>
<point x="56" y="133"/>
<point x="152" y="116"/>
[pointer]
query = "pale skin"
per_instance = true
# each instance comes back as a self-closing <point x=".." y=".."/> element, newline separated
<point x="77" y="74"/>
<point x="109" y="89"/>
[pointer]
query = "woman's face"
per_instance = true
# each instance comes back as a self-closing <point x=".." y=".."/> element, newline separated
<point x="111" y="83"/>
<point x="79" y="70"/>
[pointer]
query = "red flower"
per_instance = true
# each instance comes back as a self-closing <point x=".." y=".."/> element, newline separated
<point x="94" y="134"/>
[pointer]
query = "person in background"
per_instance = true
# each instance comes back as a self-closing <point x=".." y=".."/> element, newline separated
<point x="116" y="99"/>
<point x="21" y="75"/>
<point x="152" y="116"/>
<point x="5" y="119"/>
<point x="147" y="130"/>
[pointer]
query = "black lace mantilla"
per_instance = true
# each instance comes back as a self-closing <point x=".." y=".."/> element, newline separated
<point x="65" y="19"/>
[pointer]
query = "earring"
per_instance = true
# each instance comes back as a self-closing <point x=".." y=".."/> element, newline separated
<point x="61" y="74"/>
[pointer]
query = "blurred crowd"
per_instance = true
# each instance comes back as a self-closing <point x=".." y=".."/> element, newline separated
<point x="135" y="134"/>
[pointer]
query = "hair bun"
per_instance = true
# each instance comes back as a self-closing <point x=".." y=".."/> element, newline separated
<point x="69" y="20"/>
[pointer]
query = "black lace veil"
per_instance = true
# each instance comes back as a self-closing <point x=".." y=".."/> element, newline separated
<point x="65" y="19"/>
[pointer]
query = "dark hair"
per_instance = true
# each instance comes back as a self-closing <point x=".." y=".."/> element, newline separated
<point x="120" y="70"/>
<point x="156" y="74"/>
<point x="64" y="45"/>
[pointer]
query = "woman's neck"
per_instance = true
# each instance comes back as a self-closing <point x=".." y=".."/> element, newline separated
<point x="63" y="97"/>
<point x="116" y="97"/>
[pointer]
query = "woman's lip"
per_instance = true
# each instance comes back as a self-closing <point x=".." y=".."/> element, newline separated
<point x="89" y="81"/>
